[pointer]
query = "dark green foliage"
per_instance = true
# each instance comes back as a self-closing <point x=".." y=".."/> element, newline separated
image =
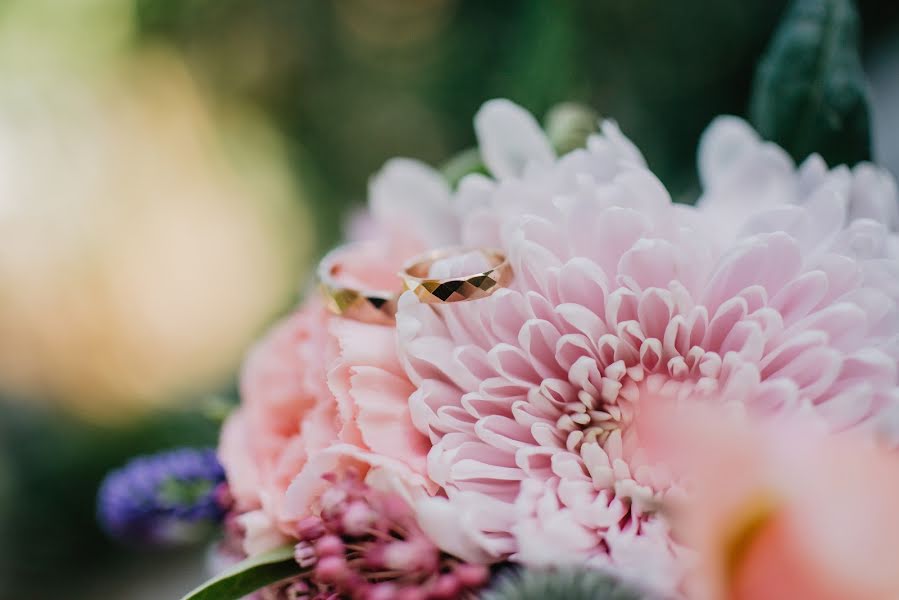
<point x="564" y="584"/>
<point x="248" y="576"/>
<point x="352" y="84"/>
<point x="809" y="93"/>
<point x="50" y="468"/>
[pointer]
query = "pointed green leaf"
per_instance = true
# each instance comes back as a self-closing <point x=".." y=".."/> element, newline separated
<point x="248" y="576"/>
<point x="809" y="92"/>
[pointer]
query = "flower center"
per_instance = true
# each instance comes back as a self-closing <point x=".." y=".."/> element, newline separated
<point x="590" y="419"/>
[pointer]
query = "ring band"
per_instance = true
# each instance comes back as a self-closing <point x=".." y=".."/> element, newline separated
<point x="456" y="289"/>
<point x="368" y="306"/>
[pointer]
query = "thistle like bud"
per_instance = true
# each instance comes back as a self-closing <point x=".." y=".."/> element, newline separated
<point x="170" y="498"/>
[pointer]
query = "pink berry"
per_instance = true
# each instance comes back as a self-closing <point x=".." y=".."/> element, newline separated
<point x="330" y="569"/>
<point x="381" y="591"/>
<point x="358" y="518"/>
<point x="332" y="499"/>
<point x="304" y="554"/>
<point x="329" y="545"/>
<point x="310" y="528"/>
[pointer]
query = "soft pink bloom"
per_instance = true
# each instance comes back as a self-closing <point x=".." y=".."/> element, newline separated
<point x="782" y="511"/>
<point x="744" y="177"/>
<point x="787" y="306"/>
<point x="317" y="390"/>
<point x="409" y="207"/>
<point x="321" y="393"/>
<point x="286" y="415"/>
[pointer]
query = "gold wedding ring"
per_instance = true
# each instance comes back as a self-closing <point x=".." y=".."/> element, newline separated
<point x="456" y="289"/>
<point x="366" y="305"/>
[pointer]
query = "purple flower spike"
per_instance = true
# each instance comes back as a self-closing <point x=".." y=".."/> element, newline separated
<point x="170" y="498"/>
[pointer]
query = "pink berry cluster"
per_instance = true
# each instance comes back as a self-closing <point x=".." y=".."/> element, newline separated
<point x="366" y="545"/>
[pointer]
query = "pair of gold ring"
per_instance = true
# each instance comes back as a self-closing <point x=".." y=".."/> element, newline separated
<point x="379" y="306"/>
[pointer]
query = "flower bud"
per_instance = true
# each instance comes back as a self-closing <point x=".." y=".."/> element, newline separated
<point x="330" y="569"/>
<point x="310" y="528"/>
<point x="358" y="518"/>
<point x="329" y="545"/>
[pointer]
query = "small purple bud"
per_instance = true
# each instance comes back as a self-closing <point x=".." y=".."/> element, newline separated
<point x="168" y="498"/>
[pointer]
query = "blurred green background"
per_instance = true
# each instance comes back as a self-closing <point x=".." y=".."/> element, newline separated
<point x="170" y="168"/>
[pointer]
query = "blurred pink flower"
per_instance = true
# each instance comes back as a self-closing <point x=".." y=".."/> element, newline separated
<point x="744" y="178"/>
<point x="782" y="511"/>
<point x="620" y="296"/>
<point x="409" y="207"/>
<point x="319" y="391"/>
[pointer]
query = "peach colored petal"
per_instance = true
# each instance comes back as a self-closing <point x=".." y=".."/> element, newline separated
<point x="261" y="532"/>
<point x="314" y="383"/>
<point x="383" y="418"/>
<point x="366" y="344"/>
<point x="780" y="511"/>
<point x="234" y="454"/>
<point x="309" y="484"/>
<point x="372" y="393"/>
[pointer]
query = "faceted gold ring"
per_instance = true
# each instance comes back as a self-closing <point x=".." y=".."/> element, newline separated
<point x="456" y="289"/>
<point x="368" y="306"/>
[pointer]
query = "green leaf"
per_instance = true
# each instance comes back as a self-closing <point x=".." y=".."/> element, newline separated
<point x="248" y="576"/>
<point x="809" y="93"/>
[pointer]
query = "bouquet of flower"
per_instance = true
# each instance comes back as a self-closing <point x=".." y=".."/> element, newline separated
<point x="550" y="381"/>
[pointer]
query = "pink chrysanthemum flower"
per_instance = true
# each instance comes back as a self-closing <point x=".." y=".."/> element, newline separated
<point x="777" y="293"/>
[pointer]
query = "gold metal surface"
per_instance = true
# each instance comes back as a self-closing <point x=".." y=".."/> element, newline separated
<point x="456" y="289"/>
